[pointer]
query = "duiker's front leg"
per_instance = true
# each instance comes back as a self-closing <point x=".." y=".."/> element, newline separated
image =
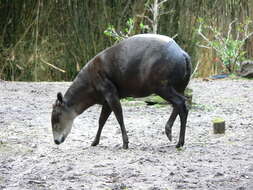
<point x="114" y="102"/>
<point x="110" y="93"/>
<point x="105" y="113"/>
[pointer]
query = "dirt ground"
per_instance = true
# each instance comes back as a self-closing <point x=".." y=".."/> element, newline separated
<point x="30" y="160"/>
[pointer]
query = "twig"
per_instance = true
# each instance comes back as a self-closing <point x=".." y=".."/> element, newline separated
<point x="146" y="17"/>
<point x="246" y="29"/>
<point x="36" y="42"/>
<point x="203" y="46"/>
<point x="202" y="35"/>
<point x="165" y="13"/>
<point x="162" y="2"/>
<point x="53" y="66"/>
<point x="195" y="70"/>
<point x="173" y="37"/>
<point x="206" y="39"/>
<point x="24" y="34"/>
<point x="250" y="34"/>
<point x="150" y="8"/>
<point x="230" y="28"/>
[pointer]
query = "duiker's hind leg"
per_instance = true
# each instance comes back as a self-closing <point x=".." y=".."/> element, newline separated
<point x="105" y="113"/>
<point x="178" y="102"/>
<point x="170" y="123"/>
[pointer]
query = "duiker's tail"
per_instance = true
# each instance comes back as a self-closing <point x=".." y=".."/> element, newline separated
<point x="181" y="84"/>
<point x="188" y="69"/>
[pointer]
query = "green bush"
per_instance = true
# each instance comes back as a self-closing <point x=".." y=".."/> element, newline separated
<point x="229" y="46"/>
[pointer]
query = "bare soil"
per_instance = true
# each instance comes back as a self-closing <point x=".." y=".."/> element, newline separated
<point x="30" y="160"/>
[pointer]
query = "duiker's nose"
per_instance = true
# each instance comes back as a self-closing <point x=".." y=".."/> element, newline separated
<point x="57" y="142"/>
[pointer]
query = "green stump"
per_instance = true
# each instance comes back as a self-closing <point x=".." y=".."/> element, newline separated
<point x="218" y="126"/>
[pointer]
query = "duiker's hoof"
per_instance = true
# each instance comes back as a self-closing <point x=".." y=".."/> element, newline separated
<point x="125" y="146"/>
<point x="94" y="143"/>
<point x="168" y="133"/>
<point x="180" y="144"/>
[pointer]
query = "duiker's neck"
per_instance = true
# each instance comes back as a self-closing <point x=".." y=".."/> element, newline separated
<point x="80" y="94"/>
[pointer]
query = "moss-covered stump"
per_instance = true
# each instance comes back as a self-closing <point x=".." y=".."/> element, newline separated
<point x="218" y="126"/>
<point x="155" y="99"/>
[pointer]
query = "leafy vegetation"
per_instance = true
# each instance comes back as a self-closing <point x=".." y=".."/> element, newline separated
<point x="52" y="40"/>
<point x="117" y="36"/>
<point x="229" y="47"/>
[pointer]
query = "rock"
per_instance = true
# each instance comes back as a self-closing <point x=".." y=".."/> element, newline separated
<point x="246" y="69"/>
<point x="154" y="188"/>
<point x="218" y="174"/>
<point x="119" y="186"/>
<point x="172" y="173"/>
<point x="241" y="188"/>
<point x="34" y="145"/>
<point x="190" y="170"/>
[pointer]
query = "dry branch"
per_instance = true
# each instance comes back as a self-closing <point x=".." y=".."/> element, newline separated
<point x="51" y="65"/>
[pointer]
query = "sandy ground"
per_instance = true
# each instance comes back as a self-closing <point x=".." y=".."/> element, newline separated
<point x="30" y="160"/>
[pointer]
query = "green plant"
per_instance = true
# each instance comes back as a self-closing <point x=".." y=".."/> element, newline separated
<point x="229" y="45"/>
<point x="117" y="36"/>
<point x="128" y="31"/>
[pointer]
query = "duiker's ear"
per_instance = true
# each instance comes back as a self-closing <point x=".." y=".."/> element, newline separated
<point x="59" y="97"/>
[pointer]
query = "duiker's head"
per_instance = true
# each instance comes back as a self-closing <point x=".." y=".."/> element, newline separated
<point x="61" y="119"/>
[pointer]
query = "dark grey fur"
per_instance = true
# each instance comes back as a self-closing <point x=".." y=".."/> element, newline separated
<point x="138" y="66"/>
